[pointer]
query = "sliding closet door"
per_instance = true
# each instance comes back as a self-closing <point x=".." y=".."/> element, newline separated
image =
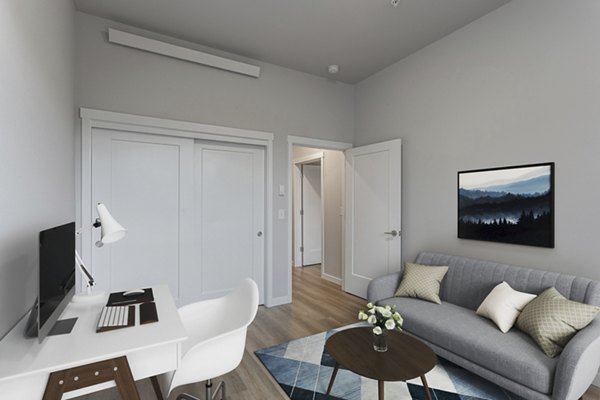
<point x="146" y="181"/>
<point x="194" y="213"/>
<point x="229" y="237"/>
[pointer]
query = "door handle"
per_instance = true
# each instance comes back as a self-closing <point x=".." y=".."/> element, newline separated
<point x="393" y="233"/>
<point x="259" y="233"/>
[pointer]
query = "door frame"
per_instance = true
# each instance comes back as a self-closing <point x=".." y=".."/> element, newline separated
<point x="100" y="119"/>
<point x="298" y="199"/>
<point x="317" y="144"/>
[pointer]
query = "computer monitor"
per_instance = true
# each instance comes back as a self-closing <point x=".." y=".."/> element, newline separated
<point x="56" y="284"/>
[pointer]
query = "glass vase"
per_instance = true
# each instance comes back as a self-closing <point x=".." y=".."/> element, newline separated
<point x="380" y="342"/>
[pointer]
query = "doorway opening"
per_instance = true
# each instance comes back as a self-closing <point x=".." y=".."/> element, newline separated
<point x="308" y="210"/>
<point x="317" y="210"/>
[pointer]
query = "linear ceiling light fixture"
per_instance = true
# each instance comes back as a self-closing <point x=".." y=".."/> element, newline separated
<point x="181" y="53"/>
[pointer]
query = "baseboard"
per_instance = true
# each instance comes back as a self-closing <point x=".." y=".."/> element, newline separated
<point x="330" y="278"/>
<point x="278" y="301"/>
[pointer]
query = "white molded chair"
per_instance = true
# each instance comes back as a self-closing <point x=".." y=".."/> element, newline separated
<point x="216" y="339"/>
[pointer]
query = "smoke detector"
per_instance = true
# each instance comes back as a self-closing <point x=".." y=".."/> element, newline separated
<point x="333" y="69"/>
<point x="395" y="3"/>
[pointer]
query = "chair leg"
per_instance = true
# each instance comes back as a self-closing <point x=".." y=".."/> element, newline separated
<point x="185" y="396"/>
<point x="210" y="395"/>
<point x="209" y="389"/>
<point x="221" y="388"/>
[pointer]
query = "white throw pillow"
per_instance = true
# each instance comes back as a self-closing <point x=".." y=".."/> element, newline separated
<point x="503" y="305"/>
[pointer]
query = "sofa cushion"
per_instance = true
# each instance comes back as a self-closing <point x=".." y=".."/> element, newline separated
<point x="469" y="280"/>
<point x="551" y="320"/>
<point x="459" y="330"/>
<point x="503" y="305"/>
<point x="422" y="282"/>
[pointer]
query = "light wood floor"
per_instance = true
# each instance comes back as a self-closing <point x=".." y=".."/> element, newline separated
<point x="317" y="306"/>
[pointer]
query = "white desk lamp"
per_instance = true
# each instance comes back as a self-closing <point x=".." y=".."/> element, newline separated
<point x="111" y="231"/>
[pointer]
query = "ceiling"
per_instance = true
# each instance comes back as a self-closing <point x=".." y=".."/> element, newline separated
<point x="361" y="36"/>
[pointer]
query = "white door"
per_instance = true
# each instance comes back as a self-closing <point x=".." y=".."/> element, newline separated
<point x="372" y="240"/>
<point x="194" y="214"/>
<point x="229" y="219"/>
<point x="311" y="214"/>
<point x="144" y="182"/>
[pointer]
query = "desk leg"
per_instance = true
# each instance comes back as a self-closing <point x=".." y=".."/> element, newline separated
<point x="380" y="389"/>
<point x="156" y="387"/>
<point x="116" y="369"/>
<point x="335" y="370"/>
<point x="426" y="386"/>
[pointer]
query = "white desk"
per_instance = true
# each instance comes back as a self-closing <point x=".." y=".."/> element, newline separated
<point x="151" y="349"/>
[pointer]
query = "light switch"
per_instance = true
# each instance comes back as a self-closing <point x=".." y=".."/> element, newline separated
<point x="281" y="214"/>
<point x="281" y="190"/>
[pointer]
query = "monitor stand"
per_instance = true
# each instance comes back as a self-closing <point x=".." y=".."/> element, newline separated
<point x="63" y="327"/>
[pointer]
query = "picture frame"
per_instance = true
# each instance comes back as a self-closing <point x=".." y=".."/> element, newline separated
<point x="508" y="204"/>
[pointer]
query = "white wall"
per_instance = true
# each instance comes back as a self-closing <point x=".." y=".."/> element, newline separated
<point x="36" y="141"/>
<point x="281" y="101"/>
<point x="520" y="85"/>
<point x="333" y="178"/>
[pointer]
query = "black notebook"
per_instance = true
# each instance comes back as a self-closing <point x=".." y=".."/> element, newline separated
<point x="148" y="313"/>
<point x="117" y="298"/>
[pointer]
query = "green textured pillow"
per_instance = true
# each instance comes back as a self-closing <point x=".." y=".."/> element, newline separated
<point x="421" y="281"/>
<point x="552" y="320"/>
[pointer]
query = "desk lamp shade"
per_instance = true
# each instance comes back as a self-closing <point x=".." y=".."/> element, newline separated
<point x="111" y="230"/>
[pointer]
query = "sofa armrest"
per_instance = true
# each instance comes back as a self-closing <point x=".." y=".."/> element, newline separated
<point x="578" y="363"/>
<point x="383" y="287"/>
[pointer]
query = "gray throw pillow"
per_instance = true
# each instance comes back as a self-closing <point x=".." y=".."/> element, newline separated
<point x="552" y="320"/>
<point x="421" y="281"/>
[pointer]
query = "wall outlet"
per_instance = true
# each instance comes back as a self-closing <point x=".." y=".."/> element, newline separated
<point x="281" y="214"/>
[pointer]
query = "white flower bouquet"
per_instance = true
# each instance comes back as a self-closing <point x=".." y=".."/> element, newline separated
<point x="382" y="318"/>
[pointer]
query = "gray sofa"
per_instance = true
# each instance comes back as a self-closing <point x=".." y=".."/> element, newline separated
<point x="511" y="360"/>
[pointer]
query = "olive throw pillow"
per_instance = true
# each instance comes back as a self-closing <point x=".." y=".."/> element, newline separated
<point x="421" y="281"/>
<point x="552" y="320"/>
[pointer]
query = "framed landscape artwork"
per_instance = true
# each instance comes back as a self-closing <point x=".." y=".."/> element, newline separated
<point x="508" y="205"/>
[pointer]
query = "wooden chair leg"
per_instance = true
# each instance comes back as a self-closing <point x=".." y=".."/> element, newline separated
<point x="115" y="369"/>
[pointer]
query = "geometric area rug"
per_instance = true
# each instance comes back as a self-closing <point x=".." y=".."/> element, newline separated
<point x="302" y="367"/>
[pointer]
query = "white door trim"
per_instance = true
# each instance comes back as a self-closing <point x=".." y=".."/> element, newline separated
<point x="309" y="158"/>
<point x="91" y="119"/>
<point x="319" y="144"/>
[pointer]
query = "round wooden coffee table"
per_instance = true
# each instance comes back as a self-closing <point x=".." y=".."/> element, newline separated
<point x="405" y="359"/>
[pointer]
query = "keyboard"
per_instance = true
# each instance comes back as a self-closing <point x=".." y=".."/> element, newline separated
<point x="115" y="317"/>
